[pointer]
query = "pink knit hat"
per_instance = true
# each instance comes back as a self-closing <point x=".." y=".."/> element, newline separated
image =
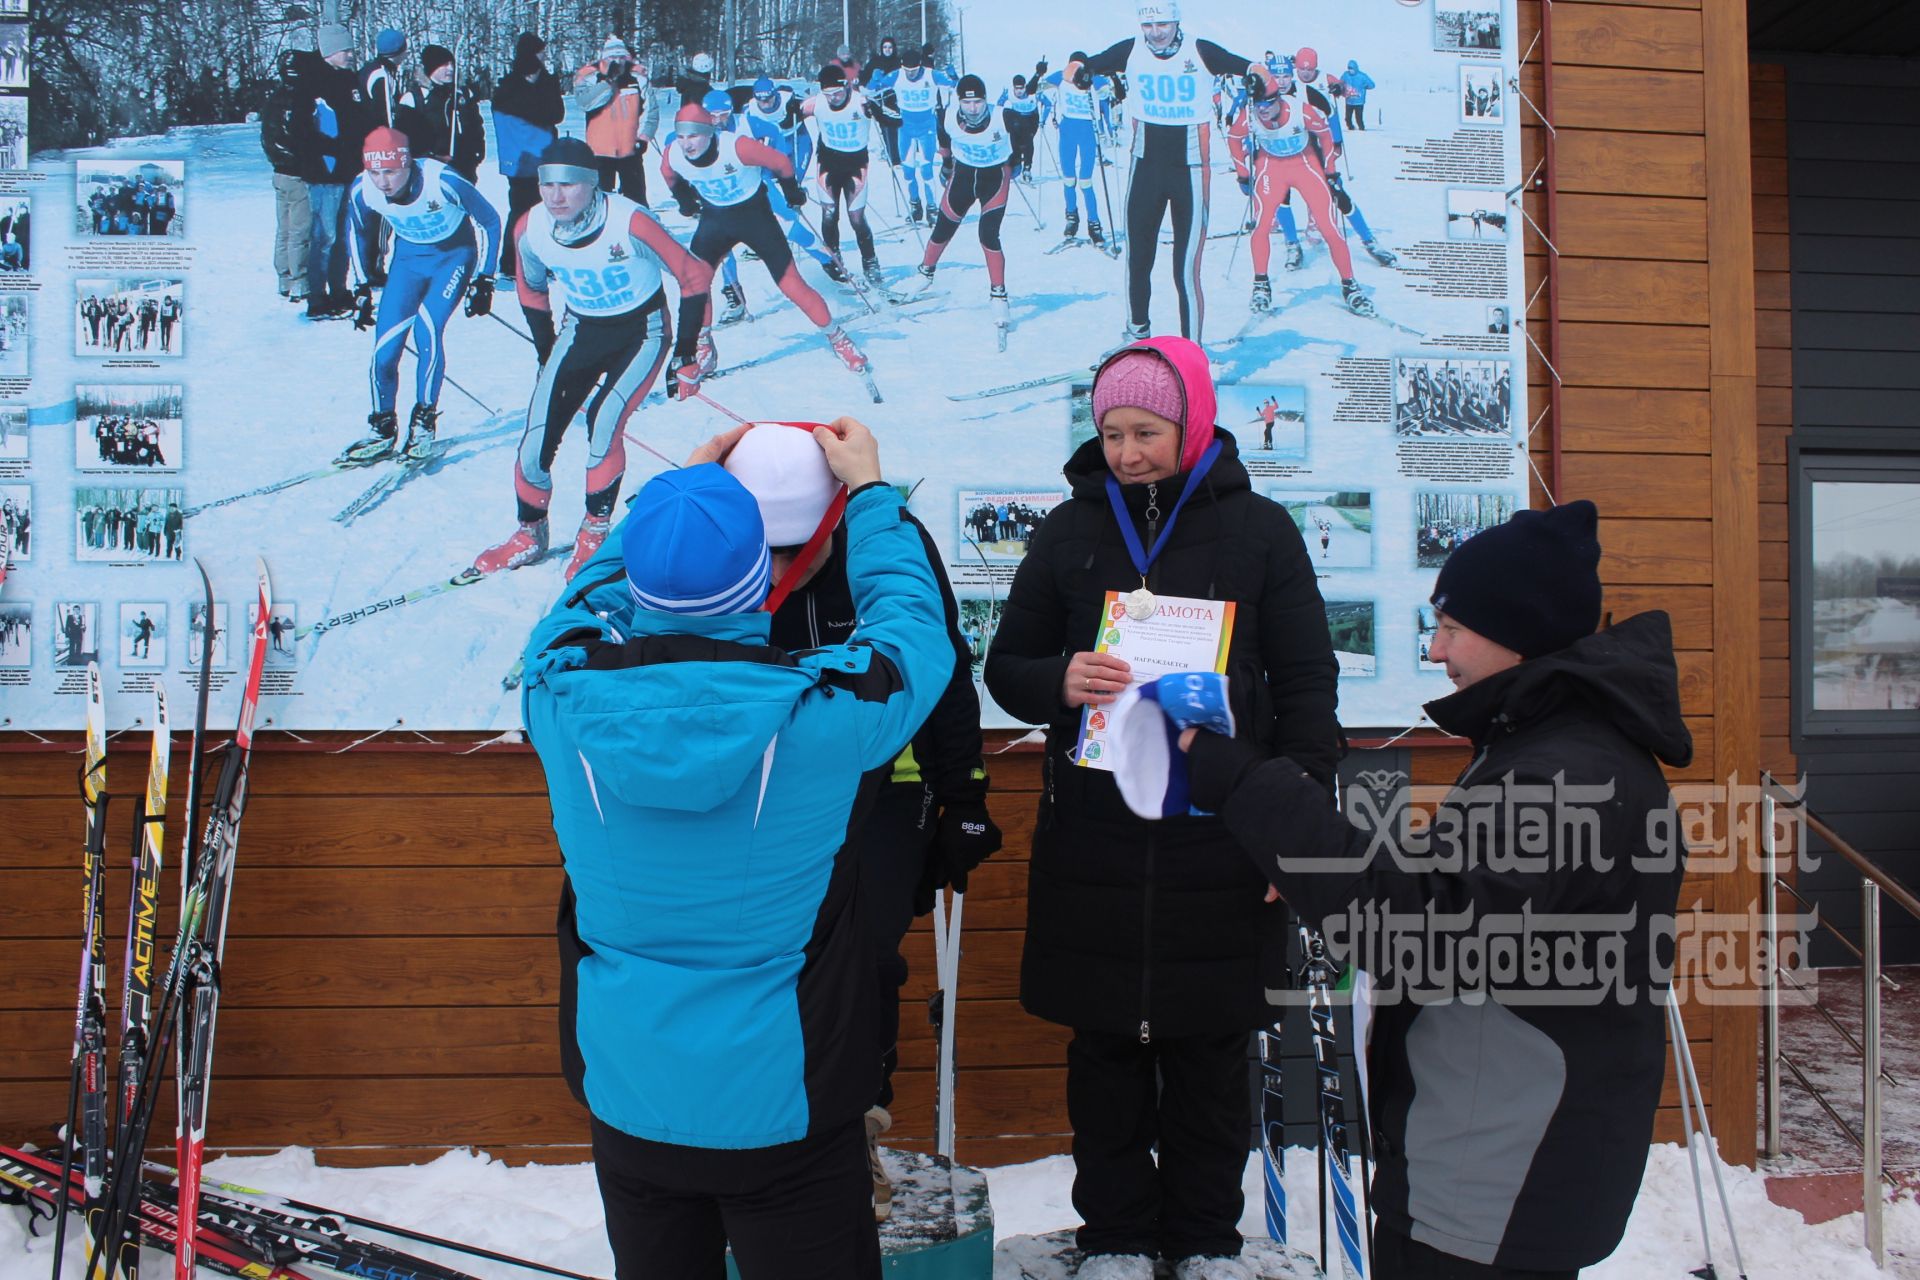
<point x="1139" y="379"/>
<point x="1168" y="376"/>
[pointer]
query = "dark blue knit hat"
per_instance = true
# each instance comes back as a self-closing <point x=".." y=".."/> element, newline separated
<point x="694" y="544"/>
<point x="1531" y="584"/>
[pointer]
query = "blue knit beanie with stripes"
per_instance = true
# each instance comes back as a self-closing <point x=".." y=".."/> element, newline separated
<point x="694" y="544"/>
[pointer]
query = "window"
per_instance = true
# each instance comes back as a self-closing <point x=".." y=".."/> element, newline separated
<point x="1856" y="594"/>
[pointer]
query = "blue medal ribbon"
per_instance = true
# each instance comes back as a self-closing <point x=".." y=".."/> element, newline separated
<point x="1142" y="558"/>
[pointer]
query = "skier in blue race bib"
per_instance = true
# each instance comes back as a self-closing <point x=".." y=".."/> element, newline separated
<point x="446" y="247"/>
<point x="916" y="91"/>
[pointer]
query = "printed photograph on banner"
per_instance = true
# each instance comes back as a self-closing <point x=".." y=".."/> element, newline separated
<point x="1499" y="319"/>
<point x="1443" y="519"/>
<point x="16" y="234"/>
<point x="197" y="633"/>
<point x="136" y="427"/>
<point x="14" y="331"/>
<point x="1426" y="625"/>
<point x="1080" y="425"/>
<point x="14" y="439"/>
<point x="143" y="634"/>
<point x="1351" y="624"/>
<point x="1466" y="24"/>
<point x="281" y="624"/>
<point x="122" y="524"/>
<point x="13" y="131"/>
<point x="129" y="316"/>
<point x="76" y="633"/>
<point x="16" y="634"/>
<point x="1337" y="524"/>
<point x="1481" y="96"/>
<point x="130" y="197"/>
<point x="979" y="619"/>
<point x="1448" y="399"/>
<point x="999" y="523"/>
<point x="16" y="513"/>
<point x="14" y="46"/>
<point x="1476" y="214"/>
<point x="1266" y="418"/>
<point x="13" y="6"/>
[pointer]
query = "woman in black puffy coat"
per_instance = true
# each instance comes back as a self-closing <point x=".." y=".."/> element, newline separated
<point x="1154" y="942"/>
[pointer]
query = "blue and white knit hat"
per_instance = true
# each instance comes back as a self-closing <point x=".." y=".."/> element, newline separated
<point x="694" y="544"/>
<point x="1145" y="723"/>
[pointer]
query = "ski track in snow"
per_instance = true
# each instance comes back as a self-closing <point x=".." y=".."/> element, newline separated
<point x="551" y="1213"/>
<point x="270" y="395"/>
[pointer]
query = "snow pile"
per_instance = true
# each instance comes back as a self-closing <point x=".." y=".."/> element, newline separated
<point x="552" y="1213"/>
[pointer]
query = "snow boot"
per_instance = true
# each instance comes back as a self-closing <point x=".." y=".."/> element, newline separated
<point x="850" y="355"/>
<point x="1262" y="296"/>
<point x="386" y="426"/>
<point x="916" y="212"/>
<point x="1116" y="1266"/>
<point x="526" y="544"/>
<point x="1213" y="1268"/>
<point x="1002" y="316"/>
<point x="875" y="276"/>
<point x="736" y="304"/>
<point x="593" y="532"/>
<point x="1294" y="255"/>
<point x="1385" y="257"/>
<point x="836" y="271"/>
<point x="1357" y="302"/>
<point x="926" y="278"/>
<point x="1072" y="227"/>
<point x="1133" y="333"/>
<point x="1096" y="233"/>
<point x="420" y="431"/>
<point x="705" y="355"/>
<point x="878" y="1122"/>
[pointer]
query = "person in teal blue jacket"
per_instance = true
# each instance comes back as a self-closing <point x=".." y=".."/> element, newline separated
<point x="703" y="784"/>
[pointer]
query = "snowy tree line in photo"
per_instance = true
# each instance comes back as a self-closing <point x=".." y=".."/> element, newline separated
<point x="144" y="66"/>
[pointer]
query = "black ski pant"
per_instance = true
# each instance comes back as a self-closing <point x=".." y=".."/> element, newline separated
<point x="841" y="181"/>
<point x="1397" y="1256"/>
<point x="751" y="222"/>
<point x="798" y="1211"/>
<point x="1166" y="186"/>
<point x="1187" y="1095"/>
<point x="522" y="195"/>
<point x="627" y="174"/>
<point x="1021" y="131"/>
<point x="892" y="846"/>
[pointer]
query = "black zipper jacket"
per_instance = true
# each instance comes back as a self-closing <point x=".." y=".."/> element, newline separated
<point x="1158" y="929"/>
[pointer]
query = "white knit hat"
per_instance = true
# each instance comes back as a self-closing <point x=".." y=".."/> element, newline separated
<point x="615" y="47"/>
<point x="782" y="466"/>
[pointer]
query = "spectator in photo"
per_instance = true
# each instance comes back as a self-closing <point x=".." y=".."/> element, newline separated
<point x="446" y="125"/>
<point x="527" y="110"/>
<point x="622" y="116"/>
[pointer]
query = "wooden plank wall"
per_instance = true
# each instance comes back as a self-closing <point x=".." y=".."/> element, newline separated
<point x="1773" y="333"/>
<point x="391" y="978"/>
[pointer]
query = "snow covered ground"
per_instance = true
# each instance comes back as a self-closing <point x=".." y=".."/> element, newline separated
<point x="552" y="1214"/>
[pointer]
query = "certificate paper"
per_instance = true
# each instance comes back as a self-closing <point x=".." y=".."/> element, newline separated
<point x="1183" y="634"/>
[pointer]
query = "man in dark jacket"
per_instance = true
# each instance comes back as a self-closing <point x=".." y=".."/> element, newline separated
<point x="292" y="213"/>
<point x="929" y="826"/>
<point x="446" y="124"/>
<point x="885" y="62"/>
<point x="327" y="130"/>
<point x="527" y="109"/>
<point x="1511" y="1132"/>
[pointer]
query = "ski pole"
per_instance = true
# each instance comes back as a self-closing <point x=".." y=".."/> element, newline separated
<point x="1039" y="221"/>
<point x="946" y="965"/>
<point x="1119" y="220"/>
<point x="703" y="396"/>
<point x="900" y="198"/>
<point x="1690" y="1083"/>
<point x="407" y="345"/>
<point x="513" y="328"/>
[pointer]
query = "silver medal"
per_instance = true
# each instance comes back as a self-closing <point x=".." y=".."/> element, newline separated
<point x="1140" y="604"/>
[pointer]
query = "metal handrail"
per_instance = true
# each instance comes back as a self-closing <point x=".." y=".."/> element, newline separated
<point x="1866" y="866"/>
<point x="1829" y="926"/>
<point x="1874" y="883"/>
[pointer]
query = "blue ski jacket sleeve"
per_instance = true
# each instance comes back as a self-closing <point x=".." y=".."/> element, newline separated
<point x="703" y="784"/>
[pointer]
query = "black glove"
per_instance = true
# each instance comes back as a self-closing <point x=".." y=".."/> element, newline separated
<point x="685" y="380"/>
<point x="1256" y="85"/>
<point x="963" y="838"/>
<point x="480" y="296"/>
<point x="689" y="203"/>
<point x="1340" y="197"/>
<point x="363" y="307"/>
<point x="1246" y="184"/>
<point x="946" y="169"/>
<point x="540" y="326"/>
<point x="795" y="194"/>
<point x="1082" y="78"/>
<point x="1215" y="766"/>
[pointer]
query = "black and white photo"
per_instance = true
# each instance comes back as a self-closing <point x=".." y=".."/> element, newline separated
<point x="124" y="524"/>
<point x="1452" y="399"/>
<point x="128" y="428"/>
<point x="76" y="633"/>
<point x="122" y="198"/>
<point x="143" y="634"/>
<point x="137" y="316"/>
<point x="16" y="515"/>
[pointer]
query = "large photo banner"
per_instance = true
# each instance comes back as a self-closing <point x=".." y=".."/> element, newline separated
<point x="190" y="371"/>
